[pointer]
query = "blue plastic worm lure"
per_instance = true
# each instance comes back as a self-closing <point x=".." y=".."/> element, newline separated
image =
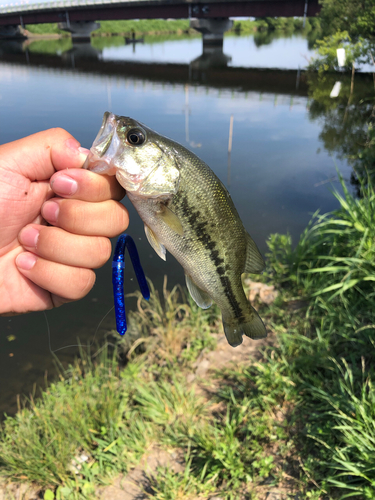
<point x="118" y="267"/>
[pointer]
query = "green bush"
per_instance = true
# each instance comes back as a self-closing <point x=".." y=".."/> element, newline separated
<point x="45" y="29"/>
<point x="356" y="53"/>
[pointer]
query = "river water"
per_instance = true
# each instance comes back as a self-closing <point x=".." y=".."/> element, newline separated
<point x="281" y="170"/>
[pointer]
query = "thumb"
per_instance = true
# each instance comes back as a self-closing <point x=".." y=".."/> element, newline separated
<point x="38" y="156"/>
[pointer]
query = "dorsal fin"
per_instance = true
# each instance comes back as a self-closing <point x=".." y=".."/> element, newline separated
<point x="254" y="261"/>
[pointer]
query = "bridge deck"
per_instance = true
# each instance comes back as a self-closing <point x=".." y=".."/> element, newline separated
<point x="93" y="10"/>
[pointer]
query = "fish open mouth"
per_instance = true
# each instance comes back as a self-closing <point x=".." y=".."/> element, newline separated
<point x="99" y="165"/>
<point x="114" y="153"/>
<point x="104" y="147"/>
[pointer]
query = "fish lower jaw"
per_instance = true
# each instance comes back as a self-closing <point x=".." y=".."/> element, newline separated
<point x="131" y="184"/>
<point x="102" y="168"/>
<point x="98" y="165"/>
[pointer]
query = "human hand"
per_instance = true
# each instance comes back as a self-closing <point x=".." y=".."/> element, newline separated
<point x="42" y="266"/>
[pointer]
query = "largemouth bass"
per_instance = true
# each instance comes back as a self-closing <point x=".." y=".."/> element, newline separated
<point x="187" y="211"/>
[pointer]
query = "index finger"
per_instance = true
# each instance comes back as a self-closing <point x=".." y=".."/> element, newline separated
<point x="81" y="184"/>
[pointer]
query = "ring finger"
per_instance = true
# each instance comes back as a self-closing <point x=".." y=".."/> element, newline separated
<point x="56" y="245"/>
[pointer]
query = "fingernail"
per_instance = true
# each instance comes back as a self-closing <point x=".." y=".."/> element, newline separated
<point x="75" y="146"/>
<point x="84" y="151"/>
<point x="26" y="261"/>
<point x="64" y="185"/>
<point x="50" y="211"/>
<point x="83" y="154"/>
<point x="29" y="237"/>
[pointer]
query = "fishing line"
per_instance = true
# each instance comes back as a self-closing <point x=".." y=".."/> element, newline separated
<point x="125" y="241"/>
<point x="52" y="351"/>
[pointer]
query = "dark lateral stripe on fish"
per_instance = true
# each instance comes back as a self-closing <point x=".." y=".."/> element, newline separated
<point x="210" y="245"/>
<point x="238" y="313"/>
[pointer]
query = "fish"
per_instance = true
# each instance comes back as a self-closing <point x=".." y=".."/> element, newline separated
<point x="188" y="211"/>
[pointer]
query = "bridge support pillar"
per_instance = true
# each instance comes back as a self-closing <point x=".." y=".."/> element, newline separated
<point x="11" y="31"/>
<point x="212" y="30"/>
<point x="79" y="29"/>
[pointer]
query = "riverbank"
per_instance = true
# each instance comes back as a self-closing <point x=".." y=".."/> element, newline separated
<point x="178" y="26"/>
<point x="291" y="415"/>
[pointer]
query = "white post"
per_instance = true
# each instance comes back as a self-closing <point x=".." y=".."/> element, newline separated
<point x="341" y="57"/>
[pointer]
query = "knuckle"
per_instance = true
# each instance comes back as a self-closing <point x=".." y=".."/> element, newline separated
<point x="57" y="132"/>
<point x="83" y="283"/>
<point x="102" y="188"/>
<point x="123" y="217"/>
<point x="102" y="249"/>
<point x="73" y="216"/>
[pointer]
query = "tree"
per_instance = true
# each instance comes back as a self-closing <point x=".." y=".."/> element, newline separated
<point x="357" y="17"/>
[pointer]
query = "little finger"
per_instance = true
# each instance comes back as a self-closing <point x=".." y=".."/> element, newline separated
<point x="70" y="283"/>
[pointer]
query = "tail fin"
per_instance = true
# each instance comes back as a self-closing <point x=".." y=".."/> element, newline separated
<point x="254" y="329"/>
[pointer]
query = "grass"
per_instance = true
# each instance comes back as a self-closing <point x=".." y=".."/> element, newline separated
<point x="328" y="355"/>
<point x="302" y="416"/>
<point x="143" y="26"/>
<point x="45" y="29"/>
<point x="173" y="327"/>
<point x="123" y="27"/>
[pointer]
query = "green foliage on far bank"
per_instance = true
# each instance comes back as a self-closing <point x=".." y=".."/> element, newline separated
<point x="45" y="29"/>
<point x="143" y="26"/>
<point x="357" y="52"/>
<point x="162" y="26"/>
<point x="348" y="24"/>
<point x="288" y="24"/>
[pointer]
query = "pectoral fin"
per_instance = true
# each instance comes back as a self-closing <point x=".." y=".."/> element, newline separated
<point x="201" y="298"/>
<point x="155" y="243"/>
<point x="171" y="219"/>
<point x="254" y="261"/>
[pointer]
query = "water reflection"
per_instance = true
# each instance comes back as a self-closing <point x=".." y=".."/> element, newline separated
<point x="210" y="69"/>
<point x="344" y="120"/>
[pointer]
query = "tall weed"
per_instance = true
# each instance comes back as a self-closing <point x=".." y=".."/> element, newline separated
<point x="328" y="354"/>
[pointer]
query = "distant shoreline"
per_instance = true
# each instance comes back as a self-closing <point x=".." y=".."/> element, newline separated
<point x="139" y="28"/>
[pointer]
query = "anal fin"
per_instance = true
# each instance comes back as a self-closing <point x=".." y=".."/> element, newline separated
<point x="155" y="243"/>
<point x="201" y="298"/>
<point x="254" y="261"/>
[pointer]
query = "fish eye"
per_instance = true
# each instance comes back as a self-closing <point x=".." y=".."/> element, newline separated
<point x="136" y="137"/>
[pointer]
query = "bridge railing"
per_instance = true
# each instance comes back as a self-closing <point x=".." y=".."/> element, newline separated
<point x="20" y="8"/>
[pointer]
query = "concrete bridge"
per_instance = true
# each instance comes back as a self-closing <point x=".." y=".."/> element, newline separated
<point x="80" y="16"/>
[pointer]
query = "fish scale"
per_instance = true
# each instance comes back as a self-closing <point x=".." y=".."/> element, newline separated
<point x="187" y="211"/>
